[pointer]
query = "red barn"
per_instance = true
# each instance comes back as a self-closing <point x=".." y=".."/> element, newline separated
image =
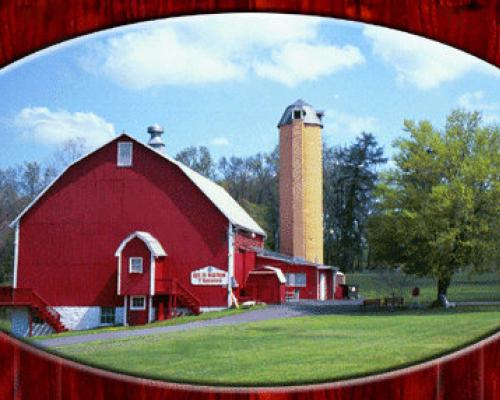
<point x="128" y="235"/>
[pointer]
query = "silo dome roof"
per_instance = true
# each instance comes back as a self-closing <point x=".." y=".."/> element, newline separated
<point x="307" y="114"/>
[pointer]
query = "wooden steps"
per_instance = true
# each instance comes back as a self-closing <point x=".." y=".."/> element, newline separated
<point x="24" y="297"/>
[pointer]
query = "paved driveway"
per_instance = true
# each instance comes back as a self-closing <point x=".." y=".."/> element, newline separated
<point x="270" y="312"/>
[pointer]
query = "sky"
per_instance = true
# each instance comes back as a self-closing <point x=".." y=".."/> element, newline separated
<point x="223" y="81"/>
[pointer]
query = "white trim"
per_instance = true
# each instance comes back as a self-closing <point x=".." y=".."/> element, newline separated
<point x="230" y="263"/>
<point x="127" y="164"/>
<point x="152" y="273"/>
<point x="125" y="311"/>
<point x="217" y="195"/>
<point x="277" y="271"/>
<point x="211" y="309"/>
<point x="130" y="270"/>
<point x="16" y="255"/>
<point x="323" y="287"/>
<point x="119" y="283"/>
<point x="149" y="240"/>
<point x="132" y="308"/>
<point x="150" y="311"/>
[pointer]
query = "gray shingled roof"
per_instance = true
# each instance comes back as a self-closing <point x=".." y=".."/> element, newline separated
<point x="288" y="259"/>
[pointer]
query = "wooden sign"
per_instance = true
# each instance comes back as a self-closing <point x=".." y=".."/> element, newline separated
<point x="209" y="276"/>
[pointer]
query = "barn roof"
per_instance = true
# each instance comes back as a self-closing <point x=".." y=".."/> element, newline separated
<point x="214" y="192"/>
<point x="151" y="242"/>
<point x="221" y="199"/>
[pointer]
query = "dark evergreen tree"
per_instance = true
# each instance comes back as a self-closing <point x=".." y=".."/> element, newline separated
<point x="350" y="175"/>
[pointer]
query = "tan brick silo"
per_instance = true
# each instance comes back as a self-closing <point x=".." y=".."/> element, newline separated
<point x="301" y="182"/>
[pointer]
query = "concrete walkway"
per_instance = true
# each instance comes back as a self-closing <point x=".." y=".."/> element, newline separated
<point x="270" y="312"/>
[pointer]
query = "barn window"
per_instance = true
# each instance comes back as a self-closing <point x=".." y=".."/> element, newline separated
<point x="137" y="303"/>
<point x="295" y="279"/>
<point x="107" y="315"/>
<point x="135" y="265"/>
<point x="124" y="154"/>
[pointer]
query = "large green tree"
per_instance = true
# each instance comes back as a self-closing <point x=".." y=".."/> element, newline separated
<point x="253" y="182"/>
<point x="438" y="209"/>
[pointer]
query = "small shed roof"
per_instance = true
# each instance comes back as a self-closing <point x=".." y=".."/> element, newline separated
<point x="149" y="240"/>
<point x="279" y="273"/>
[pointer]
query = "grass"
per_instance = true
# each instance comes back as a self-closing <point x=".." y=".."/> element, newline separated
<point x="4" y="325"/>
<point x="175" y="321"/>
<point x="292" y="350"/>
<point x="464" y="287"/>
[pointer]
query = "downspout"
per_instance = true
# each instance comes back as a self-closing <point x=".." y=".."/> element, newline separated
<point x="16" y="255"/>
<point x="152" y="273"/>
<point x="119" y="282"/>
<point x="230" y="263"/>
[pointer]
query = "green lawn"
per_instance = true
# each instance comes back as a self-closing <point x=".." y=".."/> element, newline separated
<point x="478" y="287"/>
<point x="293" y="350"/>
<point x="4" y="324"/>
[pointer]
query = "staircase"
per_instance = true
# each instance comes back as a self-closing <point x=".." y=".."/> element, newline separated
<point x="173" y="288"/>
<point x="188" y="299"/>
<point x="10" y="297"/>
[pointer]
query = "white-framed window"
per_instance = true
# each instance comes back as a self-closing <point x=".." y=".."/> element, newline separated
<point x="295" y="279"/>
<point x="135" y="265"/>
<point x="107" y="315"/>
<point x="124" y="157"/>
<point x="137" y="302"/>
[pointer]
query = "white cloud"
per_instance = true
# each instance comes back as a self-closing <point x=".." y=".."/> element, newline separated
<point x="208" y="49"/>
<point x="220" y="141"/>
<point x="297" y="62"/>
<point x="345" y="127"/>
<point x="423" y="63"/>
<point x="55" y="127"/>
<point x="475" y="101"/>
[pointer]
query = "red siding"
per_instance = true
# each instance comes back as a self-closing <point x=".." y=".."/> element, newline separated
<point x="245" y="261"/>
<point x="69" y="237"/>
<point x="135" y="283"/>
<point x="265" y="286"/>
<point x="310" y="291"/>
<point x="137" y="317"/>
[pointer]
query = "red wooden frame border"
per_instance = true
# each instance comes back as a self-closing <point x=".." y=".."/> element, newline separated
<point x="30" y="25"/>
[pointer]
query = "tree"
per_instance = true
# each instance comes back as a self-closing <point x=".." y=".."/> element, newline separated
<point x="437" y="211"/>
<point x="20" y="185"/>
<point x="349" y="180"/>
<point x="198" y="159"/>
<point x="253" y="182"/>
<point x="67" y="153"/>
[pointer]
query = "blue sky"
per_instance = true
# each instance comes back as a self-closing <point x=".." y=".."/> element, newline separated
<point x="222" y="81"/>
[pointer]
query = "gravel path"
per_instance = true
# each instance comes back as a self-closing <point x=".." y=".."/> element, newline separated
<point x="270" y="312"/>
<point x="263" y="314"/>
